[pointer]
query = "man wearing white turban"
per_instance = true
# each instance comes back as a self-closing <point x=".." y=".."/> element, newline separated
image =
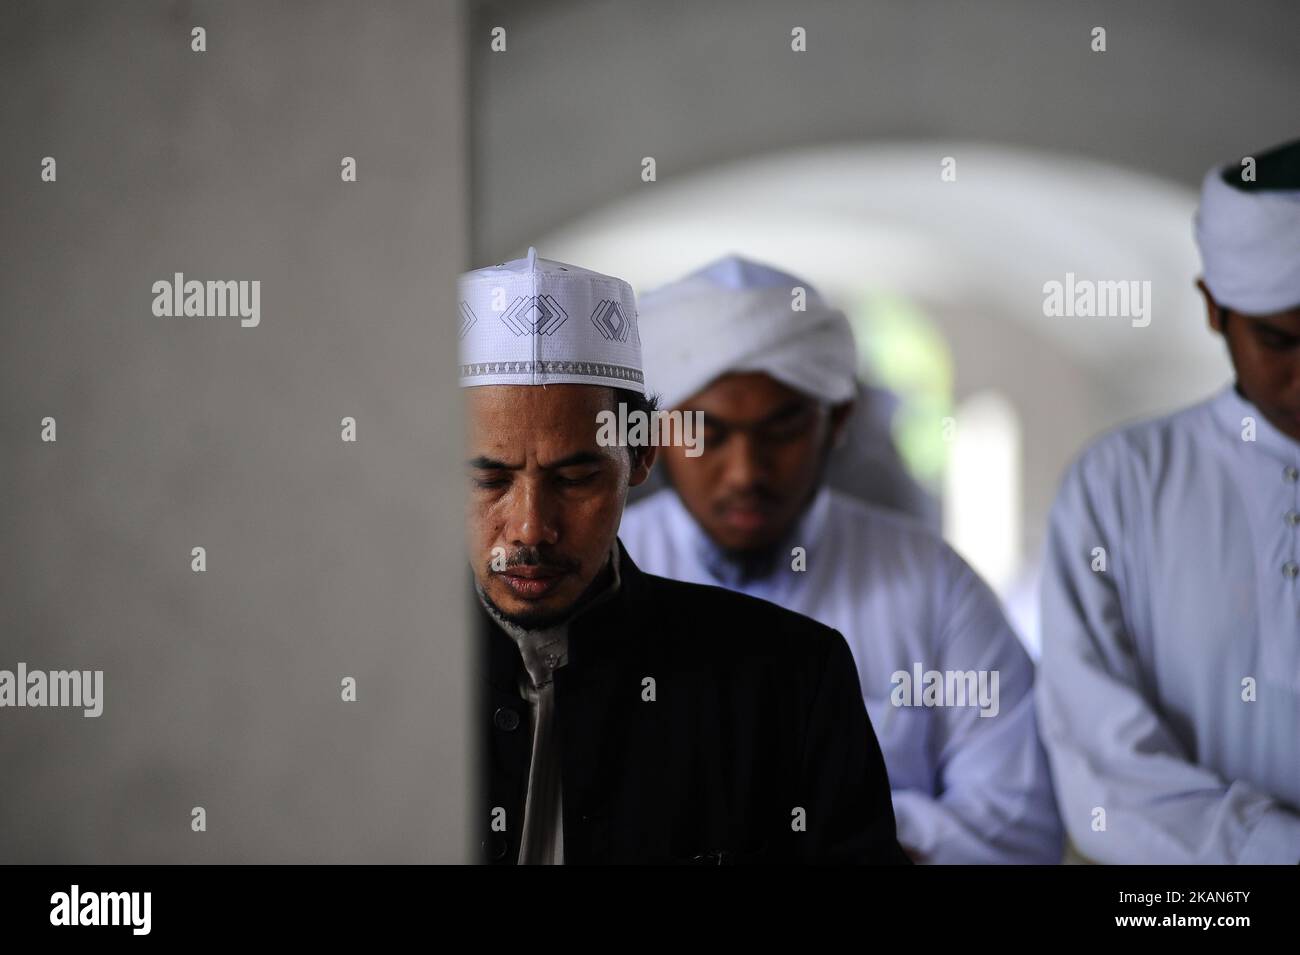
<point x="1169" y="693"/>
<point x="627" y="718"/>
<point x="771" y="365"/>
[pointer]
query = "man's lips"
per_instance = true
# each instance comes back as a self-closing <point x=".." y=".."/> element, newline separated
<point x="747" y="517"/>
<point x="531" y="583"/>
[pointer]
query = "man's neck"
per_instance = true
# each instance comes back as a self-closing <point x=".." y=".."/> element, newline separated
<point x="1281" y="427"/>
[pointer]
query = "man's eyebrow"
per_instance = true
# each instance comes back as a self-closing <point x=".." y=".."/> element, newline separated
<point x="484" y="463"/>
<point x="791" y="407"/>
<point x="1276" y="330"/>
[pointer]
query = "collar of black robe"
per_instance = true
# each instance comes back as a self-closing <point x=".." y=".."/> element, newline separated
<point x="596" y="636"/>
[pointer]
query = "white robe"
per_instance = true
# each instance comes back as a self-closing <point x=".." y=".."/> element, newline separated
<point x="1147" y="663"/>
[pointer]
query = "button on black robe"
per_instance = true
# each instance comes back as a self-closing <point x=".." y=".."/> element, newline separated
<point x="756" y="746"/>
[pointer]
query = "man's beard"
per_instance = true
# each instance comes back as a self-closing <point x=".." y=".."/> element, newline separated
<point x="756" y="562"/>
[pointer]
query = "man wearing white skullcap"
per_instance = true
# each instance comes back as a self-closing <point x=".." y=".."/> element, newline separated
<point x="630" y="718"/>
<point x="772" y="367"/>
<point x="1169" y="692"/>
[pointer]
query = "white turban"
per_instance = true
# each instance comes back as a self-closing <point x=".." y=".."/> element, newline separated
<point x="1249" y="233"/>
<point x="536" y="322"/>
<point x="735" y="315"/>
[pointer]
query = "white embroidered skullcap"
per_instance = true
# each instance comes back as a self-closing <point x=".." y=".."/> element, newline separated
<point x="532" y="321"/>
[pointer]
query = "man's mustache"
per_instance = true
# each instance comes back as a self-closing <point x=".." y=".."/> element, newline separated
<point x="536" y="558"/>
<point x="753" y="497"/>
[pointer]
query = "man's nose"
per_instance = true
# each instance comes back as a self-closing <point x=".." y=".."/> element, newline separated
<point x="532" y="519"/>
<point x="744" y="462"/>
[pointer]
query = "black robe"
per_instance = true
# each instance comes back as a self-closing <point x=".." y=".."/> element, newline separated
<point x="755" y="748"/>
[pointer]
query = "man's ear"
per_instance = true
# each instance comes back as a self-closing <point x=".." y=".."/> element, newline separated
<point x="1212" y="310"/>
<point x="641" y="467"/>
<point x="839" y="419"/>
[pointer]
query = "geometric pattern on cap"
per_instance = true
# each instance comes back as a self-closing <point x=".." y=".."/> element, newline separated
<point x="534" y="315"/>
<point x="553" y="367"/>
<point x="610" y="321"/>
<point x="467" y="318"/>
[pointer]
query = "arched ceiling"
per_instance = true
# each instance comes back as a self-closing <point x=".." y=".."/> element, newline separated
<point x="854" y="219"/>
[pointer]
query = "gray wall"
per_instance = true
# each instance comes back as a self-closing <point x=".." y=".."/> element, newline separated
<point x="325" y="559"/>
<point x="588" y="87"/>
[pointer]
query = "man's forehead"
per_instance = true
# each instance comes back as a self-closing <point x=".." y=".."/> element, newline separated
<point x="747" y="392"/>
<point x="550" y="396"/>
<point x="554" y="421"/>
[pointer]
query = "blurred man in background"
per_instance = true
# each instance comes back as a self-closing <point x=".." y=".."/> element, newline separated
<point x="775" y="384"/>
<point x="1169" y="696"/>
